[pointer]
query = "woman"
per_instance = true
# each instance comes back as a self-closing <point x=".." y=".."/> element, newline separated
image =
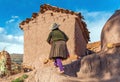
<point x="58" y="39"/>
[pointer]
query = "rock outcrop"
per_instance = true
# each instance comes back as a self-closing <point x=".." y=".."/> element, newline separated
<point x="5" y="63"/>
<point x="106" y="63"/>
<point x="111" y="31"/>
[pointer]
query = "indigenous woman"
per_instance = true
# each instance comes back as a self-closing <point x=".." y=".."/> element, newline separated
<point x="58" y="39"/>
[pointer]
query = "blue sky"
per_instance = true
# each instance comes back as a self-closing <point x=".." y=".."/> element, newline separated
<point x="95" y="12"/>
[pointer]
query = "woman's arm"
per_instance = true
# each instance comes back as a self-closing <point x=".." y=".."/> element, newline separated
<point x="66" y="37"/>
<point x="49" y="38"/>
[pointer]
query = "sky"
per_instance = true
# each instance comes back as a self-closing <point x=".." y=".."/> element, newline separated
<point x="12" y="12"/>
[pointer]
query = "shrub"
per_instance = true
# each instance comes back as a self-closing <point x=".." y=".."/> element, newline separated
<point x="20" y="79"/>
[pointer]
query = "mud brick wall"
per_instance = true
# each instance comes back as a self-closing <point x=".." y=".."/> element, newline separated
<point x="37" y="29"/>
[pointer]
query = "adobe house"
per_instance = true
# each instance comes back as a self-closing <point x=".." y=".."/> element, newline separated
<point x="36" y="30"/>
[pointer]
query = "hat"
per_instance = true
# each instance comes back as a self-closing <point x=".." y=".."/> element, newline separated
<point x="54" y="26"/>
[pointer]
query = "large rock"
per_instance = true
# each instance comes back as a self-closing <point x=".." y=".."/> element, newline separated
<point x="111" y="31"/>
<point x="51" y="74"/>
<point x="106" y="63"/>
<point x="99" y="66"/>
<point x="5" y="63"/>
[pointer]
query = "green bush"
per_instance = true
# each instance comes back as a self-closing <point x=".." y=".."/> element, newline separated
<point x="24" y="76"/>
<point x="20" y="79"/>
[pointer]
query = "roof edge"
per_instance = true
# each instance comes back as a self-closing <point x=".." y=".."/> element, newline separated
<point x="46" y="7"/>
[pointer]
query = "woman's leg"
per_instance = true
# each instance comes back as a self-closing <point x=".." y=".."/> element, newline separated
<point x="59" y="63"/>
<point x="55" y="63"/>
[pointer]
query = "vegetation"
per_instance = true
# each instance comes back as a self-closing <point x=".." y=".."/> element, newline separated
<point x="20" y="79"/>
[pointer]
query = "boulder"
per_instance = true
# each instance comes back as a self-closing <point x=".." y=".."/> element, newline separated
<point x="111" y="31"/>
<point x="5" y="63"/>
<point x="106" y="63"/>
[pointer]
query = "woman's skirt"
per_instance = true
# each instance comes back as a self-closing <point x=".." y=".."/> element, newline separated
<point x="59" y="50"/>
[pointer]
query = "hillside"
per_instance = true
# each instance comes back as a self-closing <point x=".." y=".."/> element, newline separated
<point x="18" y="58"/>
<point x="95" y="46"/>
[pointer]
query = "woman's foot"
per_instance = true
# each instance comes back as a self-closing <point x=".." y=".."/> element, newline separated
<point x="55" y="66"/>
<point x="61" y="72"/>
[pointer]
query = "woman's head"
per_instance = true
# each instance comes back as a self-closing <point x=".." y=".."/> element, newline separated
<point x="54" y="26"/>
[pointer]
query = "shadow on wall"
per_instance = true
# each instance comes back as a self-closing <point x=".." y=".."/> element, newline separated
<point x="80" y="43"/>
